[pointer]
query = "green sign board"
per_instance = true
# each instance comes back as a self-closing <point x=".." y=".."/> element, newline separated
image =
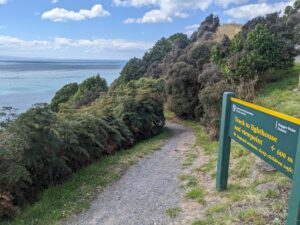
<point x="272" y="136"/>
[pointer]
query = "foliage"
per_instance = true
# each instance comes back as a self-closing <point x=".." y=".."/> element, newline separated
<point x="42" y="148"/>
<point x="7" y="115"/>
<point x="211" y="99"/>
<point x="139" y="104"/>
<point x="63" y="95"/>
<point x="133" y="70"/>
<point x="89" y="90"/>
<point x="181" y="88"/>
<point x="79" y="190"/>
<point x="149" y="65"/>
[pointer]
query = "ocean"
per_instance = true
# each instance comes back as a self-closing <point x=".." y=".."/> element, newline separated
<point x="24" y="82"/>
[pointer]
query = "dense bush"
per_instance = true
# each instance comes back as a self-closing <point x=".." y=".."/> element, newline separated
<point x="133" y="70"/>
<point x="139" y="104"/>
<point x="63" y="95"/>
<point x="181" y="88"/>
<point x="150" y="64"/>
<point x="211" y="99"/>
<point x="89" y="90"/>
<point x="42" y="148"/>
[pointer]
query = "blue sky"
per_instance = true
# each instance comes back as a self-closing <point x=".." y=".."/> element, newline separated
<point x="110" y="29"/>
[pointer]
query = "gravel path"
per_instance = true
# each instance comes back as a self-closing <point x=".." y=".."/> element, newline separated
<point x="145" y="191"/>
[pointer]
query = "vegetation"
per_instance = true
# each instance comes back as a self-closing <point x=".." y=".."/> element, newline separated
<point x="242" y="203"/>
<point x="173" y="212"/>
<point x="42" y="147"/>
<point x="63" y="95"/>
<point x="75" y="194"/>
<point x="86" y="122"/>
<point x="197" y="70"/>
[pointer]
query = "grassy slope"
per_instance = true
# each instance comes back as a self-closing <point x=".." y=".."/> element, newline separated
<point x="281" y="95"/>
<point x="241" y="204"/>
<point x="76" y="194"/>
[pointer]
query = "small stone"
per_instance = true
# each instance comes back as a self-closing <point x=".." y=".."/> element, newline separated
<point x="271" y="186"/>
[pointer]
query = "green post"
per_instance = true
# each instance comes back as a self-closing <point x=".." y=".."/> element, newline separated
<point x="294" y="202"/>
<point x="224" y="143"/>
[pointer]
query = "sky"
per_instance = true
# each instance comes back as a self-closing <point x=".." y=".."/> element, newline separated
<point x="110" y="29"/>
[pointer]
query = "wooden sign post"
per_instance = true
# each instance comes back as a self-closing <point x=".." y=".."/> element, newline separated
<point x="272" y="136"/>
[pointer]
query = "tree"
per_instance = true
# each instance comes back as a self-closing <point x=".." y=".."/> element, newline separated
<point x="63" y="95"/>
<point x="89" y="90"/>
<point x="157" y="52"/>
<point x="182" y="89"/>
<point x="297" y="4"/>
<point x="7" y="115"/>
<point x="34" y="135"/>
<point x="133" y="70"/>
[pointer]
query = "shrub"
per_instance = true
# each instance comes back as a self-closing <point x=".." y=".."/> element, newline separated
<point x="38" y="143"/>
<point x="182" y="87"/>
<point x="89" y="90"/>
<point x="63" y="95"/>
<point x="211" y="99"/>
<point x="42" y="148"/>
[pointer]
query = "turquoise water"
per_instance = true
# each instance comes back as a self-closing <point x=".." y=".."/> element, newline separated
<point x="24" y="83"/>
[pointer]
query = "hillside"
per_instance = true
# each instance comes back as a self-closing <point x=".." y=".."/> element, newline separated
<point x="230" y="30"/>
<point x="90" y="123"/>
<point x="196" y="70"/>
<point x="257" y="194"/>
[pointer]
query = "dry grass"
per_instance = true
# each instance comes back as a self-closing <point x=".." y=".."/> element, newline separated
<point x="230" y="30"/>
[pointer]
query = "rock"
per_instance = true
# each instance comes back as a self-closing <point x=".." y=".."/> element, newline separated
<point x="261" y="167"/>
<point x="264" y="167"/>
<point x="271" y="186"/>
<point x="255" y="175"/>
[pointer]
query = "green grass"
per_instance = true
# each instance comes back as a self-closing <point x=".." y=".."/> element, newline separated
<point x="217" y="208"/>
<point x="196" y="193"/>
<point x="190" y="157"/>
<point x="173" y="212"/>
<point x="209" y="221"/>
<point x="252" y="216"/>
<point x="281" y="95"/>
<point x="76" y="194"/>
<point x="207" y="167"/>
<point x="190" y="181"/>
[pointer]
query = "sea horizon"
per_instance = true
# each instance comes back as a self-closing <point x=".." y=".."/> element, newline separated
<point x="24" y="82"/>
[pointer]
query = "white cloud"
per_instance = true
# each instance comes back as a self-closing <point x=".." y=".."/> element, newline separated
<point x="251" y="11"/>
<point x="54" y="1"/>
<point x="165" y="10"/>
<point x="63" y="15"/>
<point x="226" y="3"/>
<point x="2" y="2"/>
<point x="86" y="44"/>
<point x="191" y="29"/>
<point x="153" y="16"/>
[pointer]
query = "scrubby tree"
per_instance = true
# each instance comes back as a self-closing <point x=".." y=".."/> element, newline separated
<point x="182" y="86"/>
<point x="63" y="95"/>
<point x="7" y="115"/>
<point x="158" y="52"/>
<point x="89" y="90"/>
<point x="33" y="134"/>
<point x="133" y="70"/>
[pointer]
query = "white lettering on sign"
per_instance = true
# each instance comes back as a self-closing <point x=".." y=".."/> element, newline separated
<point x="283" y="128"/>
<point x="241" y="111"/>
